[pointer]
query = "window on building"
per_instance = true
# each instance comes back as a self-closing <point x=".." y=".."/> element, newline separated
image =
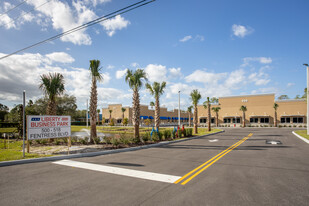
<point x="300" y="120"/>
<point x="119" y="121"/>
<point x="266" y="120"/>
<point x="236" y="120"/>
<point x="288" y="120"/>
<point x="203" y="120"/>
<point x="212" y="120"/>
<point x="227" y="120"/>
<point x="107" y="121"/>
<point x="282" y="120"/>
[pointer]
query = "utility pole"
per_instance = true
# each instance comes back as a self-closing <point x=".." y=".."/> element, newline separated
<point x="24" y="122"/>
<point x="179" y="108"/>
<point x="307" y="97"/>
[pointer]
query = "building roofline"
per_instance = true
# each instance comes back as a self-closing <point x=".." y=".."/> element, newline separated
<point x="247" y="95"/>
<point x="290" y="100"/>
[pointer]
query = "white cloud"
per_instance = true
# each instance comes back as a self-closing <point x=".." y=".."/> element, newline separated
<point x="110" y="66"/>
<point x="156" y="72"/>
<point x="261" y="60"/>
<point x="22" y="72"/>
<point x="134" y="64"/>
<point x="116" y="23"/>
<point x="106" y="78"/>
<point x="199" y="37"/>
<point x="61" y="57"/>
<point x="96" y="2"/>
<point x="186" y="38"/>
<point x="7" y="22"/>
<point x="241" y="31"/>
<point x="205" y="77"/>
<point x="290" y="84"/>
<point x="121" y="73"/>
<point x="235" y="79"/>
<point x="175" y="73"/>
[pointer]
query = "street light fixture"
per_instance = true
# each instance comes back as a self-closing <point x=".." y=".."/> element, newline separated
<point x="307" y="97"/>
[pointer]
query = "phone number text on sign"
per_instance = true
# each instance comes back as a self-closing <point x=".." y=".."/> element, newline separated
<point x="45" y="127"/>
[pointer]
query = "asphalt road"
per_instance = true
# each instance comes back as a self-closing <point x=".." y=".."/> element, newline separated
<point x="253" y="173"/>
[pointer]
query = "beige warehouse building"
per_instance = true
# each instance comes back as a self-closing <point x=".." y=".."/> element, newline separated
<point x="260" y="111"/>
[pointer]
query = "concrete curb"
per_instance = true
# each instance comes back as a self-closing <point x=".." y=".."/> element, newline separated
<point x="300" y="137"/>
<point x="92" y="154"/>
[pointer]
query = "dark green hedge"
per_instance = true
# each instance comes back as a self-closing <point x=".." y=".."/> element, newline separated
<point x="8" y="124"/>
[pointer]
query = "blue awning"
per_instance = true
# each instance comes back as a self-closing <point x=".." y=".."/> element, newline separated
<point x="168" y="118"/>
<point x="163" y="118"/>
<point x="143" y="117"/>
<point x="191" y="118"/>
<point x="181" y="118"/>
<point x="150" y="117"/>
<point x="176" y="118"/>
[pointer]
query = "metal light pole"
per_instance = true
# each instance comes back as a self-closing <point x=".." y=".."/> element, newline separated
<point x="24" y="122"/>
<point x="179" y="108"/>
<point x="307" y="97"/>
<point x="87" y="114"/>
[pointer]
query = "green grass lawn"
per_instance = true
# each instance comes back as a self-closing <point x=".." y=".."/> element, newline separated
<point x="8" y="130"/>
<point x="13" y="151"/>
<point x="204" y="131"/>
<point x="302" y="133"/>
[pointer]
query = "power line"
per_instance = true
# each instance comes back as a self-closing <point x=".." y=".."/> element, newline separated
<point x="91" y="23"/>
<point x="27" y="12"/>
<point x="13" y="8"/>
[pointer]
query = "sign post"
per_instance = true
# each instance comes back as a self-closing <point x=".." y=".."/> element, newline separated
<point x="24" y="122"/>
<point x="47" y="127"/>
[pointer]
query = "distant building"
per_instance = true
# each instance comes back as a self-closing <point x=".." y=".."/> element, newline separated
<point x="260" y="111"/>
<point x="146" y="112"/>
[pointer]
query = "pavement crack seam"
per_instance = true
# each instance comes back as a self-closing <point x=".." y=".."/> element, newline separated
<point x="208" y="163"/>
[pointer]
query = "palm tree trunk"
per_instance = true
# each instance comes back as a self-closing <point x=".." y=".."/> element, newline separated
<point x="157" y="114"/>
<point x="93" y="110"/>
<point x="136" y="114"/>
<point x="243" y="121"/>
<point x="51" y="108"/>
<point x="195" y="119"/>
<point x="209" y="118"/>
<point x="275" y="120"/>
<point x="122" y="117"/>
<point x="217" y="119"/>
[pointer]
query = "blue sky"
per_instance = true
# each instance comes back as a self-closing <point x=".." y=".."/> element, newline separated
<point x="221" y="48"/>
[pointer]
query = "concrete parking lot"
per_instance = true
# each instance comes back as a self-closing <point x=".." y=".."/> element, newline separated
<point x="251" y="172"/>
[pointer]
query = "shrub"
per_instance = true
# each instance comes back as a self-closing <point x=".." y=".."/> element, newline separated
<point x="167" y="134"/>
<point x="179" y="133"/>
<point x="173" y="134"/>
<point x="57" y="141"/>
<point x="280" y="126"/>
<point x="155" y="137"/>
<point x="112" y="123"/>
<point x="189" y="132"/>
<point x="125" y="140"/>
<point x="146" y="137"/>
<point x="300" y="125"/>
<point x="161" y="137"/>
<point x="108" y="140"/>
<point x="290" y="125"/>
<point x="44" y="141"/>
<point x="294" y="126"/>
<point x="184" y="133"/>
<point x="38" y="141"/>
<point x="115" y="142"/>
<point x="97" y="140"/>
<point x="284" y="125"/>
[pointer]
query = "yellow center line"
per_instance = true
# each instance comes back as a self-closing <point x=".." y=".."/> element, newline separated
<point x="214" y="159"/>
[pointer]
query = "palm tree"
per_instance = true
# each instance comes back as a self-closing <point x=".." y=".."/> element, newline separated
<point x="123" y="111"/>
<point x="110" y="115"/>
<point x="275" y="119"/>
<point x="53" y="86"/>
<point x="152" y="104"/>
<point x="98" y="112"/>
<point x="135" y="81"/>
<point x="243" y="109"/>
<point x="195" y="98"/>
<point x="95" y="76"/>
<point x="190" y="111"/>
<point x="206" y="105"/>
<point x="157" y="90"/>
<point x="216" y="110"/>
